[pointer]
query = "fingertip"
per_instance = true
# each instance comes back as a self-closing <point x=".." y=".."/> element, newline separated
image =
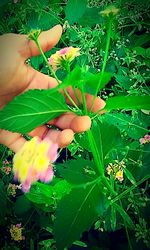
<point x="59" y="28"/>
<point x="65" y="138"/>
<point x="98" y="104"/>
<point x="81" y="124"/>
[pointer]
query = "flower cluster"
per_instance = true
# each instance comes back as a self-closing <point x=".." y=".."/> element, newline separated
<point x="145" y="139"/>
<point x="16" y="232"/>
<point x="116" y="169"/>
<point x="110" y="10"/>
<point x="34" y="162"/>
<point x="6" y="168"/>
<point x="11" y="190"/>
<point x="63" y="56"/>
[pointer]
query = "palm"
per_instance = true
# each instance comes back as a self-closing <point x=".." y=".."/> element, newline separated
<point x="20" y="77"/>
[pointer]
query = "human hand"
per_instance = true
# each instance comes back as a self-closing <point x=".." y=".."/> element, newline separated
<point x="16" y="76"/>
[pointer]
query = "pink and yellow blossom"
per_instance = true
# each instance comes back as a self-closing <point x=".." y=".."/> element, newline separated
<point x="16" y="232"/>
<point x="110" y="10"/>
<point x="116" y="169"/>
<point x="33" y="162"/>
<point x="66" y="54"/>
<point x="145" y="139"/>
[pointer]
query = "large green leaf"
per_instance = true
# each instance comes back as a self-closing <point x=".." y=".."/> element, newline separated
<point x="142" y="52"/>
<point x="75" y="9"/>
<point x="131" y="125"/>
<point x="91" y="17"/>
<point x="124" y="215"/>
<point x="22" y="205"/>
<point x="40" y="193"/>
<point x="92" y="81"/>
<point x="106" y="138"/>
<point x="124" y="81"/>
<point x="75" y="213"/>
<point x="77" y="171"/>
<point x="128" y="102"/>
<point x="31" y="109"/>
<point x="44" y="20"/>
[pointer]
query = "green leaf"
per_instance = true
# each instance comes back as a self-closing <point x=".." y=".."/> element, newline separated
<point x="76" y="212"/>
<point x="87" y="18"/>
<point x="124" y="81"/>
<point x="145" y="169"/>
<point x="74" y="78"/>
<point x="124" y="215"/>
<point x="3" y="199"/>
<point x="113" y="218"/>
<point x="40" y="193"/>
<point x="74" y="10"/>
<point x="73" y="148"/>
<point x="78" y="171"/>
<point x="106" y="138"/>
<point x="129" y="176"/>
<point x="92" y="81"/>
<point x="80" y="243"/>
<point x="128" y="102"/>
<point x="142" y="52"/>
<point x="32" y="109"/>
<point x="22" y="205"/>
<point x="61" y="188"/>
<point x="3" y="2"/>
<point x="132" y="126"/>
<point x="43" y="20"/>
<point x="142" y="39"/>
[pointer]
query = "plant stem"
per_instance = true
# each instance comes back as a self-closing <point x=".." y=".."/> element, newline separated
<point x="70" y="99"/>
<point x="120" y="196"/>
<point x="126" y="229"/>
<point x="84" y="99"/>
<point x="105" y="59"/>
<point x="95" y="153"/>
<point x="53" y="73"/>
<point x="45" y="59"/>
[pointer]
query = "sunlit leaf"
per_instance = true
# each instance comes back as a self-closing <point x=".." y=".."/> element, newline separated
<point x="75" y="213"/>
<point x="32" y="109"/>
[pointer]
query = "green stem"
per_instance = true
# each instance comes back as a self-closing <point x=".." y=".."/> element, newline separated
<point x="71" y="100"/>
<point x="105" y="59"/>
<point x="126" y="229"/>
<point x="123" y="194"/>
<point x="84" y="99"/>
<point x="53" y="73"/>
<point x="95" y="152"/>
<point x="45" y="59"/>
<point x="98" y="163"/>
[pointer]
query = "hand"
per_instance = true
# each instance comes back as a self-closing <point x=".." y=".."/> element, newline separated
<point x="16" y="76"/>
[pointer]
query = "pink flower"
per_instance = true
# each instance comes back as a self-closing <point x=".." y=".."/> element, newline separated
<point x="34" y="161"/>
<point x="66" y="54"/>
<point x="145" y="139"/>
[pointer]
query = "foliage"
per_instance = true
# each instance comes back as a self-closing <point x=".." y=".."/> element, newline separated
<point x="84" y="197"/>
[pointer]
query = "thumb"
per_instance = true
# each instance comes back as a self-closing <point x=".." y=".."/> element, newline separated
<point x="14" y="141"/>
<point x="47" y="39"/>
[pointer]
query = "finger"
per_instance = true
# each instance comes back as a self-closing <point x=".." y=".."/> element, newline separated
<point x="62" y="138"/>
<point x="47" y="39"/>
<point x="14" y="141"/>
<point x="73" y="122"/>
<point x="77" y="97"/>
<point x="38" y="80"/>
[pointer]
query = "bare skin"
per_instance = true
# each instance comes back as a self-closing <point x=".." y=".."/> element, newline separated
<point x="16" y="77"/>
